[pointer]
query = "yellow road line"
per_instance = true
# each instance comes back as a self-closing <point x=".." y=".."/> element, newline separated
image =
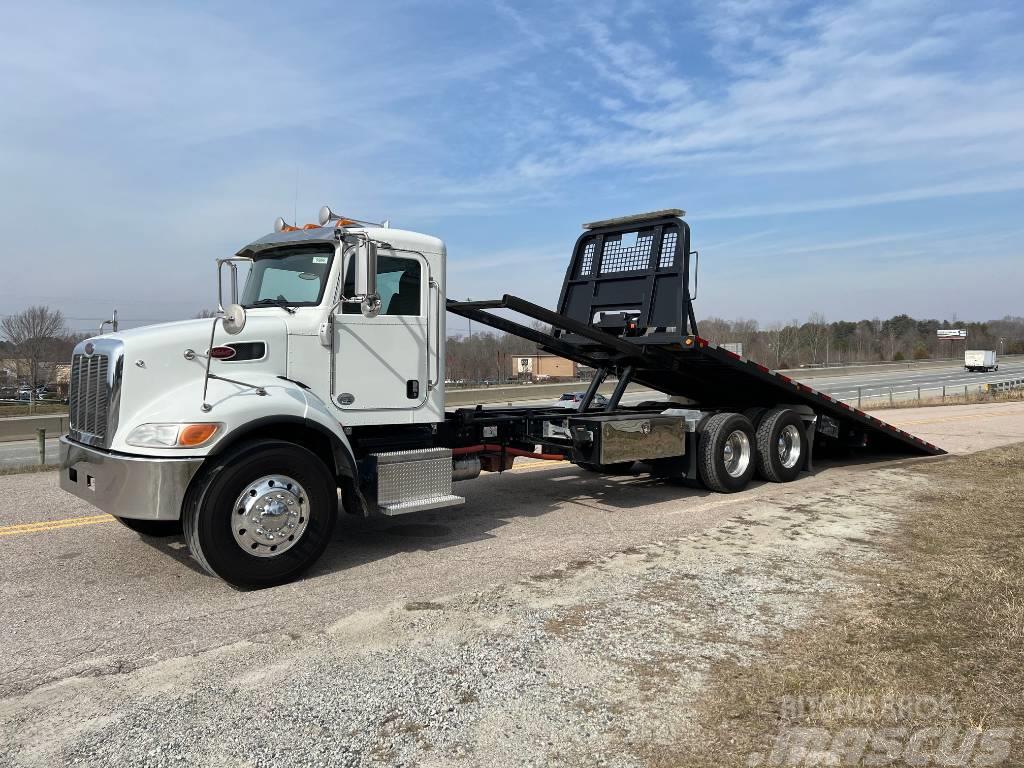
<point x="53" y="525"/>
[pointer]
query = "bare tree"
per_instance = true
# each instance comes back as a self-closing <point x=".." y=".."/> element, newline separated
<point x="814" y="332"/>
<point x="34" y="332"/>
<point x="783" y="341"/>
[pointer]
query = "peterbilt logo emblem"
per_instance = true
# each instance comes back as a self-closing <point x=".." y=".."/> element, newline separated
<point x="645" y="427"/>
<point x="89" y="349"/>
<point x="346" y="398"/>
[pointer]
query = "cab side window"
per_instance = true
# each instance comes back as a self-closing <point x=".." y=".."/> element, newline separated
<point x="398" y="282"/>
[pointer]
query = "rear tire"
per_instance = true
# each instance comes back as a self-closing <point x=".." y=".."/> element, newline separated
<point x="755" y="415"/>
<point x="152" y="528"/>
<point x="726" y="451"/>
<point x="261" y="514"/>
<point x="781" y="446"/>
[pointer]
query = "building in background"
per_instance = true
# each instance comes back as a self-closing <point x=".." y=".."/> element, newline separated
<point x="543" y="367"/>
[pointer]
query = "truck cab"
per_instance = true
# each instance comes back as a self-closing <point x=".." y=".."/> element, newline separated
<point x="302" y="360"/>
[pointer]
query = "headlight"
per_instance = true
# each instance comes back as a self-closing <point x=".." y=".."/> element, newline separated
<point x="172" y="435"/>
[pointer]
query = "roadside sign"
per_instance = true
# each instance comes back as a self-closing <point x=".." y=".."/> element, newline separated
<point x="952" y="333"/>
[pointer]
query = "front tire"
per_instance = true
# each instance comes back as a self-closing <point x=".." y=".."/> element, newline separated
<point x="261" y="514"/>
<point x="725" y="452"/>
<point x="781" y="446"/>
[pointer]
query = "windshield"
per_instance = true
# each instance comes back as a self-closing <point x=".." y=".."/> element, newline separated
<point x="293" y="277"/>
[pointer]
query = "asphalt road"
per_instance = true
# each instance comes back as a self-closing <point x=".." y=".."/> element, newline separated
<point x="931" y="381"/>
<point x="876" y="384"/>
<point x="97" y="623"/>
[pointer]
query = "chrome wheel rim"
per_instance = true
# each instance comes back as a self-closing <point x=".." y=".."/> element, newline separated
<point x="789" y="446"/>
<point x="736" y="453"/>
<point x="270" y="516"/>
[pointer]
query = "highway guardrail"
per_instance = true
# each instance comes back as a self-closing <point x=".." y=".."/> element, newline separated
<point x="881" y="396"/>
<point x="1004" y="386"/>
<point x="27" y="427"/>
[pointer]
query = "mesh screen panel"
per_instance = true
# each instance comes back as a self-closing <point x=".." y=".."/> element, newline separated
<point x="619" y="258"/>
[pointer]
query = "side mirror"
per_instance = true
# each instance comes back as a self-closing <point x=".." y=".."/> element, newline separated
<point x="366" y="278"/>
<point x="234" y="319"/>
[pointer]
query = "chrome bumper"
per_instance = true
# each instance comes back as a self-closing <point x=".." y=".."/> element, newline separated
<point x="140" y="487"/>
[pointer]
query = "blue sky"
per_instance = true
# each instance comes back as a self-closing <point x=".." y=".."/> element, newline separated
<point x="855" y="159"/>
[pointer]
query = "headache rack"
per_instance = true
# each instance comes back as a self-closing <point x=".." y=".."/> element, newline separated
<point x="626" y="307"/>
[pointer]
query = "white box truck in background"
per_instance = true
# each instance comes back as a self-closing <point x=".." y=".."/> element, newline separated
<point x="980" y="360"/>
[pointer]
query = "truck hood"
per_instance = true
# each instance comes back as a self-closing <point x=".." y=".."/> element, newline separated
<point x="160" y="376"/>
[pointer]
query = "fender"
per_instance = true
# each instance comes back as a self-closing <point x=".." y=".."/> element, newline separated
<point x="319" y="421"/>
<point x="341" y="452"/>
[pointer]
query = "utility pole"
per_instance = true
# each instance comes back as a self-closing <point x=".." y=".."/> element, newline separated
<point x="470" y="325"/>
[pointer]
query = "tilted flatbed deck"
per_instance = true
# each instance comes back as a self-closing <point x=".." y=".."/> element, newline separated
<point x="627" y="309"/>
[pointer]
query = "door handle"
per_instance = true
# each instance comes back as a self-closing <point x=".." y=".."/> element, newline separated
<point x="432" y="382"/>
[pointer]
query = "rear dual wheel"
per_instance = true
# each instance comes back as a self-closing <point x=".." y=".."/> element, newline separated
<point x="731" y="449"/>
<point x="781" y="445"/>
<point x="725" y="452"/>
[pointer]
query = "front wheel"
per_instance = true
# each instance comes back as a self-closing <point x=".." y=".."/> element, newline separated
<point x="726" y="452"/>
<point x="262" y="514"/>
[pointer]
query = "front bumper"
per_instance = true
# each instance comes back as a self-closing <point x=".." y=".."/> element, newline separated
<point x="139" y="487"/>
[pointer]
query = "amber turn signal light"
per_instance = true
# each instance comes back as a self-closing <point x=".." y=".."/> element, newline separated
<point x="192" y="435"/>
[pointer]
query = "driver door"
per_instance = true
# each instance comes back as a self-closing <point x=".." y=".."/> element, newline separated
<point x="381" y="362"/>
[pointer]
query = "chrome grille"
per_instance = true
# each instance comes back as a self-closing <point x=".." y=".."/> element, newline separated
<point x="89" y="397"/>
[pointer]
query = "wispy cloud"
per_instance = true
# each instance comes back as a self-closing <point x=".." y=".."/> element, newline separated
<point x="975" y="186"/>
<point x="165" y="136"/>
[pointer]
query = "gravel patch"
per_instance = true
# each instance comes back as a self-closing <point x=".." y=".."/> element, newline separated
<point x="594" y="663"/>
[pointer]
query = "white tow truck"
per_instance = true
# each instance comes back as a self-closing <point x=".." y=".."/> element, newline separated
<point x="319" y="390"/>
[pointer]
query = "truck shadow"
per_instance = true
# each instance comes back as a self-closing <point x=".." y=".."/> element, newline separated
<point x="495" y="501"/>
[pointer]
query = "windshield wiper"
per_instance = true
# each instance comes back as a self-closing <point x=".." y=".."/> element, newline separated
<point x="282" y="303"/>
